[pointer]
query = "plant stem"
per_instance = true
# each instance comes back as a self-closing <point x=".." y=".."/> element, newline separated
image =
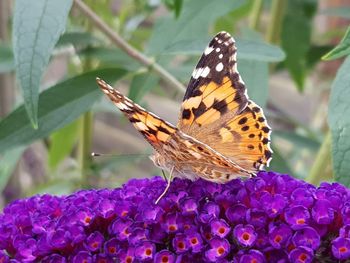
<point x="277" y="11"/>
<point x="255" y="14"/>
<point x="84" y="148"/>
<point x="322" y="160"/>
<point x="131" y="51"/>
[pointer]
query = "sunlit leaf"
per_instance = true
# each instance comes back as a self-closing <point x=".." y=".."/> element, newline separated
<point x="58" y="106"/>
<point x="36" y="28"/>
<point x="339" y="123"/>
<point x="341" y="50"/>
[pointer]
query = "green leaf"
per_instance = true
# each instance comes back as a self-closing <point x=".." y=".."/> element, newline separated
<point x="111" y="57"/>
<point x="58" y="106"/>
<point x="339" y="123"/>
<point x="141" y="84"/>
<point x="37" y="26"/>
<point x="7" y="63"/>
<point x="341" y="50"/>
<point x="62" y="143"/>
<point x="247" y="49"/>
<point x="255" y="74"/>
<point x="193" y="24"/>
<point x="343" y="11"/>
<point x="296" y="37"/>
<point x="177" y="7"/>
<point x="8" y="163"/>
<point x="78" y="39"/>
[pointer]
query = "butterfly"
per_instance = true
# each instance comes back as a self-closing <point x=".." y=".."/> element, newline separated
<point x="221" y="134"/>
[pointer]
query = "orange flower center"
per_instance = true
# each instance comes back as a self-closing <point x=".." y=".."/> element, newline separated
<point x="221" y="230"/>
<point x="194" y="241"/>
<point x="343" y="249"/>
<point x="246" y="236"/>
<point x="221" y="250"/>
<point x="301" y="221"/>
<point x="302" y="257"/>
<point x="278" y="238"/>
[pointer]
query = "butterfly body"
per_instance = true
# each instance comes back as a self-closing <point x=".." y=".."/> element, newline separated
<point x="221" y="134"/>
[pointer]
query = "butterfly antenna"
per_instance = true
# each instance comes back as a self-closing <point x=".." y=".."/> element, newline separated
<point x="167" y="186"/>
<point x="95" y="154"/>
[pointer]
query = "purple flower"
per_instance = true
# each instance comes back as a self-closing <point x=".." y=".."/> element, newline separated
<point x="301" y="255"/>
<point x="180" y="243"/>
<point x="245" y="235"/>
<point x="268" y="218"/>
<point x="219" y="248"/>
<point x="307" y="237"/>
<point x="341" y="248"/>
<point x="252" y="256"/>
<point x="195" y="240"/>
<point x="322" y="212"/>
<point x="94" y="241"/>
<point x="145" y="251"/>
<point x="164" y="256"/>
<point x="219" y="228"/>
<point x="297" y="216"/>
<point x="279" y="235"/>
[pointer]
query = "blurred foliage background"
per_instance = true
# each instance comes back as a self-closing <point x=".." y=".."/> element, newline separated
<point x="52" y="114"/>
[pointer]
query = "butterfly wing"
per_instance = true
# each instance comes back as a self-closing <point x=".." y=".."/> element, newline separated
<point x="216" y="105"/>
<point x="154" y="129"/>
<point x="175" y="149"/>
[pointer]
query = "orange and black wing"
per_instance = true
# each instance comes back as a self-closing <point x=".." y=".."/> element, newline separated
<point x="154" y="129"/>
<point x="216" y="105"/>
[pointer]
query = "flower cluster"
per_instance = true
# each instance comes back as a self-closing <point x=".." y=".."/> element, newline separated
<point x="269" y="218"/>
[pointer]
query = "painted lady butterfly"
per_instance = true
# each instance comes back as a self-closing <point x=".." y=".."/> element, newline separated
<point x="221" y="134"/>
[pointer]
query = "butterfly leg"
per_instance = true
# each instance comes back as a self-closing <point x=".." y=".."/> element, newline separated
<point x="167" y="186"/>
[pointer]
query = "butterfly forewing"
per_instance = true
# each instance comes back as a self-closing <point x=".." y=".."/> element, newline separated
<point x="216" y="103"/>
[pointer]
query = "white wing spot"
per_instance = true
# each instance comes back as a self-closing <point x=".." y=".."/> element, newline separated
<point x="121" y="106"/>
<point x="219" y="67"/>
<point x="221" y="56"/>
<point x="219" y="41"/>
<point x="205" y="72"/>
<point x="196" y="73"/>
<point x="208" y="50"/>
<point x="217" y="49"/>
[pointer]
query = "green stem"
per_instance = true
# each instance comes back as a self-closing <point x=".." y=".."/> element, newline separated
<point x="277" y="11"/>
<point x="322" y="161"/>
<point x="84" y="148"/>
<point x="255" y="14"/>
